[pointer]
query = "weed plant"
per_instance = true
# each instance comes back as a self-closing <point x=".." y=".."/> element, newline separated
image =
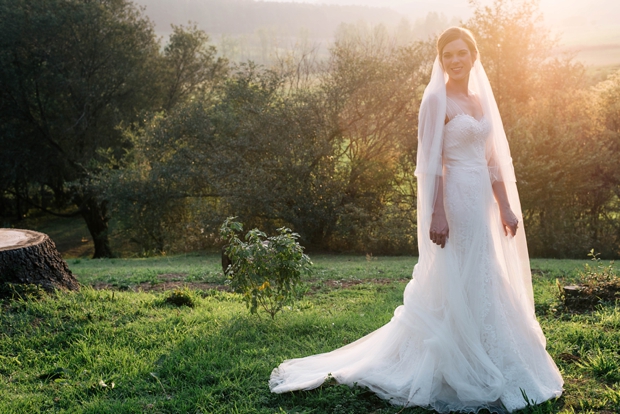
<point x="267" y="271"/>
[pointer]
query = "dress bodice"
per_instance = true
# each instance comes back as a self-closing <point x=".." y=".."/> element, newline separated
<point x="464" y="141"/>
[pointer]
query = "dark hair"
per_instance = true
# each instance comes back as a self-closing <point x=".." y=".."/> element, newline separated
<point x="455" y="33"/>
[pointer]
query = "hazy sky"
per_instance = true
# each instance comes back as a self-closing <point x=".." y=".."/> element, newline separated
<point x="556" y="11"/>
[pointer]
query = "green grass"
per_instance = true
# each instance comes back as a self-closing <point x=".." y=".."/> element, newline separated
<point x="124" y="351"/>
<point x="130" y="272"/>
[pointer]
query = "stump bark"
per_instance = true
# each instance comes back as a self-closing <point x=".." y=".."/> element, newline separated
<point x="30" y="257"/>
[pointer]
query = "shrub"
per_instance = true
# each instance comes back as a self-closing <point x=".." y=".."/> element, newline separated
<point x="265" y="270"/>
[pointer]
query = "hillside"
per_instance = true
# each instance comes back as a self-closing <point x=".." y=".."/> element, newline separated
<point x="238" y="17"/>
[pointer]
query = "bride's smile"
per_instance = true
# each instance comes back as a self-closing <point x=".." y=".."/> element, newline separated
<point x="457" y="60"/>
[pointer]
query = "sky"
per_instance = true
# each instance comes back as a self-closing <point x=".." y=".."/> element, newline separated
<point x="590" y="28"/>
<point x="558" y="13"/>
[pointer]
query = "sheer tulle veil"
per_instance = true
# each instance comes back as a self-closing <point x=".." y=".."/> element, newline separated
<point x="513" y="258"/>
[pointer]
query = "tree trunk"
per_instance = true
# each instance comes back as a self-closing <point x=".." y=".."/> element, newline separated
<point x="95" y="215"/>
<point x="18" y="204"/>
<point x="30" y="257"/>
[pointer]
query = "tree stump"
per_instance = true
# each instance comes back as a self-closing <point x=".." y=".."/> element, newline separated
<point x="30" y="257"/>
<point x="588" y="296"/>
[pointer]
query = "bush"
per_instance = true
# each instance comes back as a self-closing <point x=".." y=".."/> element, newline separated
<point x="265" y="270"/>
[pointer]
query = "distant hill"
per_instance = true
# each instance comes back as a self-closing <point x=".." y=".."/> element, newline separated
<point x="261" y="31"/>
<point x="237" y="17"/>
<point x="257" y="30"/>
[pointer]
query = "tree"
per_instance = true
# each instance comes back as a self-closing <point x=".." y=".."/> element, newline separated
<point x="514" y="45"/>
<point x="328" y="152"/>
<point x="374" y="88"/>
<point x="189" y="66"/>
<point x="562" y="157"/>
<point x="251" y="150"/>
<point x="71" y="74"/>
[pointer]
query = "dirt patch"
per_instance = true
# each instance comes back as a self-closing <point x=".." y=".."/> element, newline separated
<point x="168" y="281"/>
<point x="163" y="286"/>
<point x="320" y="284"/>
<point x="172" y="281"/>
<point x="566" y="357"/>
<point x="172" y="277"/>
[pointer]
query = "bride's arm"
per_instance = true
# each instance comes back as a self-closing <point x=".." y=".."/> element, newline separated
<point x="439" y="224"/>
<point x="509" y="220"/>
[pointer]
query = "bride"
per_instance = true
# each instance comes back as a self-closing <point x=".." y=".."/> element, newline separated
<point x="466" y="337"/>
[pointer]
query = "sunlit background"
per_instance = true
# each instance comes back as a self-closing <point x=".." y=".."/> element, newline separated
<point x="301" y="114"/>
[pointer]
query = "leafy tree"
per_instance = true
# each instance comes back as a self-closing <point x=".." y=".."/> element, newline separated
<point x="190" y="66"/>
<point x="563" y="159"/>
<point x="328" y="148"/>
<point x="514" y="44"/>
<point x="374" y="88"/>
<point x="328" y="152"/>
<point x="608" y="171"/>
<point x="251" y="151"/>
<point x="72" y="72"/>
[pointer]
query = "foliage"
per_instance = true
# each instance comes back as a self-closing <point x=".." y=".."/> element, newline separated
<point x="599" y="275"/>
<point x="190" y="66"/>
<point x="149" y="193"/>
<point x="328" y="152"/>
<point x="100" y="120"/>
<point x="76" y="75"/>
<point x="556" y="126"/>
<point x="267" y="271"/>
<point x="71" y="71"/>
<point x="514" y="45"/>
<point x="603" y="364"/>
<point x="374" y="88"/>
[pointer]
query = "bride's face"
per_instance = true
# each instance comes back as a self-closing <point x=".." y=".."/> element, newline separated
<point x="457" y="59"/>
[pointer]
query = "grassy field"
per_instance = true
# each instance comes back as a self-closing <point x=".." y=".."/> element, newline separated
<point x="117" y="346"/>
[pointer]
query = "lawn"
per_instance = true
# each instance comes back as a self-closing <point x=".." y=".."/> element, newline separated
<point x="118" y="347"/>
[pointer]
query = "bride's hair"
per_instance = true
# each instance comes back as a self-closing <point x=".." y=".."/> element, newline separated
<point x="455" y="33"/>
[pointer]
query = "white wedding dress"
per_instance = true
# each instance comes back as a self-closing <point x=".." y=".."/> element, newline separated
<point x="462" y="341"/>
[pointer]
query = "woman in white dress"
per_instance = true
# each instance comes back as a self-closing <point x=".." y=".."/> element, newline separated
<point x="466" y="337"/>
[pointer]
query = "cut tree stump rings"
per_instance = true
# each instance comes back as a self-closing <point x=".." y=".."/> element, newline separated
<point x="30" y="257"/>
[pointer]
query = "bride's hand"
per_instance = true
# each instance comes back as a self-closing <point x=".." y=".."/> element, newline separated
<point x="439" y="229"/>
<point x="510" y="222"/>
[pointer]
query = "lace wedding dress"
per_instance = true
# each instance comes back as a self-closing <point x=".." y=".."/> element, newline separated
<point x="463" y="340"/>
